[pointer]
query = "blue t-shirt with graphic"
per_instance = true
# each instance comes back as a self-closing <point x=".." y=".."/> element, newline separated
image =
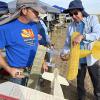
<point x="20" y="42"/>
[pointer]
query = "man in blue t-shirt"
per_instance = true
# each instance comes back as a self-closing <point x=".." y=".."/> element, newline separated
<point x="19" y="37"/>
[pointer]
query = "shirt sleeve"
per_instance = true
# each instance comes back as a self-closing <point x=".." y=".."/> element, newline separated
<point x="46" y="31"/>
<point x="95" y="31"/>
<point x="2" y="39"/>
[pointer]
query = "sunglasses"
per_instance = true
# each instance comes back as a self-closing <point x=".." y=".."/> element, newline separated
<point x="73" y="13"/>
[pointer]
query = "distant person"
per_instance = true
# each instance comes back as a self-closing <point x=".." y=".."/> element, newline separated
<point x="43" y="32"/>
<point x="44" y="39"/>
<point x="89" y="28"/>
<point x="19" y="37"/>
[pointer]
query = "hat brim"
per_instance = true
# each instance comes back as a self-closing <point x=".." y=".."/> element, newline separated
<point x="42" y="6"/>
<point x="39" y="9"/>
<point x="36" y="7"/>
<point x="44" y="9"/>
<point x="10" y="17"/>
<point x="17" y="13"/>
<point x="67" y="10"/>
<point x="3" y="12"/>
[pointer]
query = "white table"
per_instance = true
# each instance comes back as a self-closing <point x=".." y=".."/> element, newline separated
<point x="24" y="93"/>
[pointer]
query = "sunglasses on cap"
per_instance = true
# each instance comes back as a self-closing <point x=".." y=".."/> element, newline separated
<point x="73" y="13"/>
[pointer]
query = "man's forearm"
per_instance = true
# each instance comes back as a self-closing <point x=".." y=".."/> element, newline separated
<point x="12" y="71"/>
<point x="3" y="63"/>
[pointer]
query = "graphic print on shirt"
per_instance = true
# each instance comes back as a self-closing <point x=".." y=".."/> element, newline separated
<point x="28" y="36"/>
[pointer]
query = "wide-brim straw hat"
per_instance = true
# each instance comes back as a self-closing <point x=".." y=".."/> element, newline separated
<point x="20" y="4"/>
<point x="75" y="4"/>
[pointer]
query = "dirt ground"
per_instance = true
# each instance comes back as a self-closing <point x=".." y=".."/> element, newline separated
<point x="58" y="38"/>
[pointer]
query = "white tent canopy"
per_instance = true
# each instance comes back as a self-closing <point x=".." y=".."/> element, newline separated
<point x="91" y="6"/>
<point x="46" y="7"/>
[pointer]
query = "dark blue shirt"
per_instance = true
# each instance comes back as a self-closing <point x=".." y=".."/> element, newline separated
<point x="43" y="41"/>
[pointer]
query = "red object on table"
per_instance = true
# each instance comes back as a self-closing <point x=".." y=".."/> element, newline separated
<point x="4" y="72"/>
<point x="4" y="97"/>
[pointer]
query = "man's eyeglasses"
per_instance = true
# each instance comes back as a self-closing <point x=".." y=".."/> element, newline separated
<point x="73" y="13"/>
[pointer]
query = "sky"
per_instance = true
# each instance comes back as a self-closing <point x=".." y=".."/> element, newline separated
<point x="91" y="6"/>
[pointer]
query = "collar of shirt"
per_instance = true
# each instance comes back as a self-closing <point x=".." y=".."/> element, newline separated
<point x="80" y="27"/>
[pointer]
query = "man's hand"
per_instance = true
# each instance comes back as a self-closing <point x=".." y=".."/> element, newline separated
<point x="65" y="57"/>
<point x="39" y="37"/>
<point x="77" y="39"/>
<point x="16" y="73"/>
<point x="44" y="67"/>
